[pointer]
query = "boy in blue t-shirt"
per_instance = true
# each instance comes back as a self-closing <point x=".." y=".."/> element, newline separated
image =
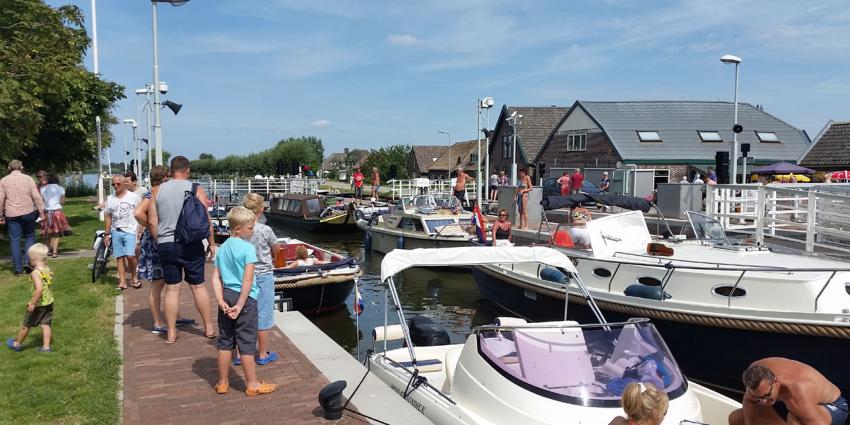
<point x="236" y="294"/>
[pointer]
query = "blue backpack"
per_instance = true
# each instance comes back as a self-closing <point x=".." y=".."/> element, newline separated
<point x="193" y="224"/>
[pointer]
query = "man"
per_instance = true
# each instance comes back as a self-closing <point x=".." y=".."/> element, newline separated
<point x="376" y="183"/>
<point x="576" y="180"/>
<point x="20" y="206"/>
<point x="133" y="184"/>
<point x="460" y="185"/>
<point x="358" y="183"/>
<point x="780" y="391"/>
<point x="121" y="229"/>
<point x="180" y="261"/>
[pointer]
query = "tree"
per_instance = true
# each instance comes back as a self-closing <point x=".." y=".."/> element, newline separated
<point x="48" y="100"/>
<point x="206" y="156"/>
<point x="391" y="161"/>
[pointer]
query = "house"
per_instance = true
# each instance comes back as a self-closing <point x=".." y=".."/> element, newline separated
<point x="464" y="154"/>
<point x="341" y="163"/>
<point x="674" y="138"/>
<point x="422" y="158"/>
<point x="533" y="129"/>
<point x="831" y="149"/>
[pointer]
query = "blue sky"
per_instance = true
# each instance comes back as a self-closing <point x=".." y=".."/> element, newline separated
<point x="367" y="74"/>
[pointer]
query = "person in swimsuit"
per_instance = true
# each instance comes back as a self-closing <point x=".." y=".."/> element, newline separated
<point x="780" y="391"/>
<point x="522" y="198"/>
<point x="460" y="185"/>
<point x="644" y="404"/>
<point x="578" y="226"/>
<point x="502" y="230"/>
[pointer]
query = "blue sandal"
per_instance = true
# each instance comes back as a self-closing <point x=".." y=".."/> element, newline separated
<point x="11" y="344"/>
<point x="270" y="357"/>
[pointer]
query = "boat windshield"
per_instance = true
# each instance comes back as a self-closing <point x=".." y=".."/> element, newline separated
<point x="707" y="229"/>
<point x="447" y="201"/>
<point x="587" y="366"/>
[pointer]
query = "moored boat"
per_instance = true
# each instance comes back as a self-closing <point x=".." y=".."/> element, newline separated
<point x="309" y="213"/>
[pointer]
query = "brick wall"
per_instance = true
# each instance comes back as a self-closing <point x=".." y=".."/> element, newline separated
<point x="600" y="153"/>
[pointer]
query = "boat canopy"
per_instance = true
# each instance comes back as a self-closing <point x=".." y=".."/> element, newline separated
<point x="400" y="259"/>
<point x="576" y="200"/>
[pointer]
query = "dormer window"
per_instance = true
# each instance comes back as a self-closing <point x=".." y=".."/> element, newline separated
<point x="767" y="137"/>
<point x="710" y="136"/>
<point x="433" y="158"/>
<point x="649" y="136"/>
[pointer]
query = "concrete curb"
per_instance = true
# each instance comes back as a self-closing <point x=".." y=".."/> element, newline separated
<point x="118" y="331"/>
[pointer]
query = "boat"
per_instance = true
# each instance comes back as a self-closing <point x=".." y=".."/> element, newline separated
<point x="218" y="218"/>
<point x="421" y="221"/>
<point x="728" y="303"/>
<point x="309" y="213"/>
<point x="371" y="210"/>
<point x="514" y="372"/>
<point x="318" y="288"/>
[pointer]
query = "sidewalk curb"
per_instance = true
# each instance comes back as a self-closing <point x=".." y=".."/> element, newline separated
<point x="118" y="331"/>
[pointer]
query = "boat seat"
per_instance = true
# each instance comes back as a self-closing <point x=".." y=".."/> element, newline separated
<point x="424" y="365"/>
<point x="563" y="239"/>
<point x="452" y="359"/>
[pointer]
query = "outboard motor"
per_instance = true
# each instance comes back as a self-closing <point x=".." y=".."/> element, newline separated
<point x="424" y="332"/>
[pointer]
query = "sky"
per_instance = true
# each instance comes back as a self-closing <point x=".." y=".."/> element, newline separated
<point x="366" y="74"/>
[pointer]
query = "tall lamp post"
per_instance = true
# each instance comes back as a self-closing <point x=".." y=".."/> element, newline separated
<point x="514" y="120"/>
<point x="136" y="145"/>
<point x="485" y="103"/>
<point x="449" y="157"/>
<point x="157" y="130"/>
<point x="100" y="191"/>
<point x="736" y="128"/>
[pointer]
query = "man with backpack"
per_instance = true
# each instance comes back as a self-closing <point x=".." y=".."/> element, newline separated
<point x="180" y="223"/>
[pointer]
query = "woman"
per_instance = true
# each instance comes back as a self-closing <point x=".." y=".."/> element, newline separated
<point x="522" y="198"/>
<point x="494" y="183"/>
<point x="578" y="219"/>
<point x="55" y="225"/>
<point x="501" y="233"/>
<point x="644" y="404"/>
<point x="302" y="259"/>
<point x="149" y="266"/>
<point x="503" y="179"/>
<point x="564" y="182"/>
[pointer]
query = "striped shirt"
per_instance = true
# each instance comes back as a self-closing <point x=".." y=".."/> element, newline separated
<point x="19" y="195"/>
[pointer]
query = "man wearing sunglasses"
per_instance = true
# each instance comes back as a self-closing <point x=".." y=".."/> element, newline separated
<point x="780" y="391"/>
<point x="121" y="228"/>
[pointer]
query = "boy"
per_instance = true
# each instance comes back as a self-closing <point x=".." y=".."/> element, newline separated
<point x="236" y="294"/>
<point x="40" y="306"/>
<point x="265" y="243"/>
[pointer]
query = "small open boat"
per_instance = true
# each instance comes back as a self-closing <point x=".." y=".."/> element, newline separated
<point x="316" y="288"/>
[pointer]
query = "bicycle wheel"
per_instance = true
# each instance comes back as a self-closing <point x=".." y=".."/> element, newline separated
<point x="105" y="262"/>
<point x="99" y="262"/>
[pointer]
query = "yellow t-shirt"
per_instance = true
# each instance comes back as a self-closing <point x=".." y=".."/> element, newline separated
<point x="46" y="287"/>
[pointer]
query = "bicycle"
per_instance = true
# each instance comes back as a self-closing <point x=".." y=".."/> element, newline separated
<point x="102" y="252"/>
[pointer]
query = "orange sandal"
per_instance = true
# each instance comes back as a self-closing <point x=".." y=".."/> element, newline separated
<point x="221" y="388"/>
<point x="264" y="388"/>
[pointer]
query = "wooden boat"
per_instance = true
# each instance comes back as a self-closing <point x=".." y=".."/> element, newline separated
<point x="318" y="288"/>
<point x="308" y="212"/>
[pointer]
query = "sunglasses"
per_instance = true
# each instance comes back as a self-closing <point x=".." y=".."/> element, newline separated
<point x="503" y="215"/>
<point x="765" y="397"/>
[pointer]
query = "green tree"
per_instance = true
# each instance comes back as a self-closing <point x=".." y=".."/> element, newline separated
<point x="48" y="100"/>
<point x="206" y="156"/>
<point x="391" y="162"/>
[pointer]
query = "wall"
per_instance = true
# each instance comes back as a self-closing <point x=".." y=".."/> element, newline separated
<point x="599" y="154"/>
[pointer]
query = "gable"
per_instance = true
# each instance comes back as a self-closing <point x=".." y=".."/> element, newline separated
<point x="831" y="150"/>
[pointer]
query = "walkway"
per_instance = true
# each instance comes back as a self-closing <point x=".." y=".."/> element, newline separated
<point x="173" y="384"/>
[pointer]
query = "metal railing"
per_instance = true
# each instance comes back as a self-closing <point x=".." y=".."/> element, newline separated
<point x="411" y="187"/>
<point x="237" y="188"/>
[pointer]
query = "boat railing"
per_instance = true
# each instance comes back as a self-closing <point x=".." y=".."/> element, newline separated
<point x="559" y="325"/>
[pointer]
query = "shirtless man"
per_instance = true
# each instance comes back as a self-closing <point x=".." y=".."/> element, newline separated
<point x="522" y="198"/>
<point x="460" y="184"/>
<point x="780" y="390"/>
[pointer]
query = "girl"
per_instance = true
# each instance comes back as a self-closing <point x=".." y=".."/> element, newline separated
<point x="55" y="225"/>
<point x="644" y="404"/>
<point x="302" y="259"/>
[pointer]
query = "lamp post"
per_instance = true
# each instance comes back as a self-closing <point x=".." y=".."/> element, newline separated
<point x="730" y="59"/>
<point x="157" y="129"/>
<point x="449" y="162"/>
<point x="100" y="191"/>
<point x="136" y="146"/>
<point x="148" y="147"/>
<point x="514" y="120"/>
<point x="485" y="103"/>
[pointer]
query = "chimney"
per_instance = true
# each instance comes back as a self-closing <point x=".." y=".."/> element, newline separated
<point x="345" y="151"/>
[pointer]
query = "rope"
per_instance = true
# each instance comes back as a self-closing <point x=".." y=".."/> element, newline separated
<point x="368" y="368"/>
<point x="318" y="280"/>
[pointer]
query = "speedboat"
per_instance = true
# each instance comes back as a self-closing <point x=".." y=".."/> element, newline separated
<point x="421" y="221"/>
<point x="728" y="303"/>
<point x="316" y="288"/>
<point x="513" y="372"/>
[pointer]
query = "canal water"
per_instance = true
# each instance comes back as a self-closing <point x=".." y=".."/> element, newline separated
<point x="448" y="296"/>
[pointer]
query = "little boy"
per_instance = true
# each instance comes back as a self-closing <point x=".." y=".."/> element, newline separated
<point x="40" y="307"/>
<point x="265" y="243"/>
<point x="236" y="294"/>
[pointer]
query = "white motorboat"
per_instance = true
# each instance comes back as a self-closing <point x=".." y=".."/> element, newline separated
<point x="421" y="221"/>
<point x="514" y="372"/>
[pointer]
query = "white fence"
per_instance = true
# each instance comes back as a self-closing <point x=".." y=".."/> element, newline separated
<point x="237" y="188"/>
<point x="815" y="215"/>
<point x="400" y="188"/>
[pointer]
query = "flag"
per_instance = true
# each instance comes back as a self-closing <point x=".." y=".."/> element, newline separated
<point x="480" y="224"/>
<point x="359" y="305"/>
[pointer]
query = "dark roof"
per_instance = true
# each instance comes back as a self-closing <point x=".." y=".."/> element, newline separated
<point x="423" y="155"/>
<point x="460" y="150"/>
<point x="298" y="196"/>
<point x="358" y="155"/>
<point x="831" y="150"/>
<point x="536" y="125"/>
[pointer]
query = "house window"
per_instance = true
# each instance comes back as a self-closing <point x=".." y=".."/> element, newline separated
<point x="710" y="136"/>
<point x="767" y="137"/>
<point x="649" y="136"/>
<point x="577" y="142"/>
<point x="661" y="176"/>
<point x="473" y="157"/>
<point x="507" y="146"/>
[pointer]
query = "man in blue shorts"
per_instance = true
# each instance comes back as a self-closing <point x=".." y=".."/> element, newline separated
<point x="121" y="229"/>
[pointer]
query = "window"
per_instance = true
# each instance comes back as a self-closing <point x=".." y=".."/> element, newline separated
<point x="661" y="176"/>
<point x="649" y="136"/>
<point x="767" y="137"/>
<point x="507" y="146"/>
<point x="710" y="136"/>
<point x="473" y="157"/>
<point x="577" y="142"/>
<point x="313" y="206"/>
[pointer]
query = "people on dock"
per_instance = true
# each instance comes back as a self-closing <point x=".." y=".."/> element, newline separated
<point x="236" y="296"/>
<point x="711" y="176"/>
<point x="55" y="225"/>
<point x="302" y="259"/>
<point x="121" y="229"/>
<point x="502" y="230"/>
<point x="133" y="183"/>
<point x="522" y="198"/>
<point x="265" y="244"/>
<point x="376" y="183"/>
<point x="503" y="178"/>
<point x="605" y="183"/>
<point x="576" y="181"/>
<point x="780" y="390"/>
<point x="358" y="183"/>
<point x="20" y="206"/>
<point x="564" y="183"/>
<point x="460" y="185"/>
<point x="644" y="404"/>
<point x="39" y="311"/>
<point x="494" y="183"/>
<point x="180" y="261"/>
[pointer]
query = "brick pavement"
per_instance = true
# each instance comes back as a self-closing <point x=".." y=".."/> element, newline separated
<point x="173" y="384"/>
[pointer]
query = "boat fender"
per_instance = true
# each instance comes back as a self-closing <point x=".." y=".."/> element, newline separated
<point x="367" y="242"/>
<point x="648" y="292"/>
<point x="390" y="333"/>
<point x="509" y="321"/>
<point x="426" y="333"/>
<point x="399" y="243"/>
<point x="553" y="275"/>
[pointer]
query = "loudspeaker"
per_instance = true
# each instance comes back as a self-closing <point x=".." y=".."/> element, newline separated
<point x="721" y="166"/>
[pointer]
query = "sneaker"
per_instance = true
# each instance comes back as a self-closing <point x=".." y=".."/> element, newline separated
<point x="185" y="321"/>
<point x="45" y="350"/>
<point x="270" y="357"/>
<point x="11" y="344"/>
<point x="161" y="330"/>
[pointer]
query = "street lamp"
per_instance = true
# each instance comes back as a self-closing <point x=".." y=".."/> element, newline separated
<point x="736" y="128"/>
<point x="136" y="144"/>
<point x="148" y="147"/>
<point x="157" y="130"/>
<point x="485" y="103"/>
<point x="449" y="166"/>
<point x="514" y="120"/>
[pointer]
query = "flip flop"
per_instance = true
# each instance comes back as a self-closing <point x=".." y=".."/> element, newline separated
<point x="237" y="361"/>
<point x="172" y="341"/>
<point x="264" y="388"/>
<point x="221" y="388"/>
<point x="11" y="344"/>
<point x="270" y="357"/>
<point x="121" y="287"/>
<point x="137" y="284"/>
<point x="211" y="336"/>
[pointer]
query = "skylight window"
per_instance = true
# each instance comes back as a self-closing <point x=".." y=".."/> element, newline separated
<point x="649" y="136"/>
<point x="710" y="136"/>
<point x="767" y="137"/>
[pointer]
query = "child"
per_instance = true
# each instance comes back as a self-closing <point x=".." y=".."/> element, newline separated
<point x="265" y="243"/>
<point x="236" y="293"/>
<point x="40" y="306"/>
<point x="302" y="259"/>
<point x="644" y="404"/>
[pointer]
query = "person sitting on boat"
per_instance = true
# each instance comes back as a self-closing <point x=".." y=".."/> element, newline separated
<point x="303" y="259"/>
<point x="502" y="230"/>
<point x="644" y="404"/>
<point x="780" y="390"/>
<point x="579" y="217"/>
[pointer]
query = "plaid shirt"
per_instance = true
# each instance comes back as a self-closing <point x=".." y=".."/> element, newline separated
<point x="19" y="195"/>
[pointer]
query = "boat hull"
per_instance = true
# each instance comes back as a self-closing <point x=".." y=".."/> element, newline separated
<point x="384" y="241"/>
<point x="318" y="294"/>
<point x="705" y="352"/>
<point x="313" y="225"/>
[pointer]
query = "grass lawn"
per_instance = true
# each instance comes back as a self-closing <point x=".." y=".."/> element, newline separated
<point x="82" y="219"/>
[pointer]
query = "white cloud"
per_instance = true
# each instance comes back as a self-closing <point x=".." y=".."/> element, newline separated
<point x="321" y="124"/>
<point x="402" y="39"/>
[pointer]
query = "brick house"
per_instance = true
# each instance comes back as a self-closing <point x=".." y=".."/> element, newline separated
<point x="675" y="138"/>
<point x="831" y="149"/>
<point x="534" y="128"/>
<point x="422" y="159"/>
<point x="464" y="154"/>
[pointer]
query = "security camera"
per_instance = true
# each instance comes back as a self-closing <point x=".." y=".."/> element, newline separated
<point x="163" y="87"/>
